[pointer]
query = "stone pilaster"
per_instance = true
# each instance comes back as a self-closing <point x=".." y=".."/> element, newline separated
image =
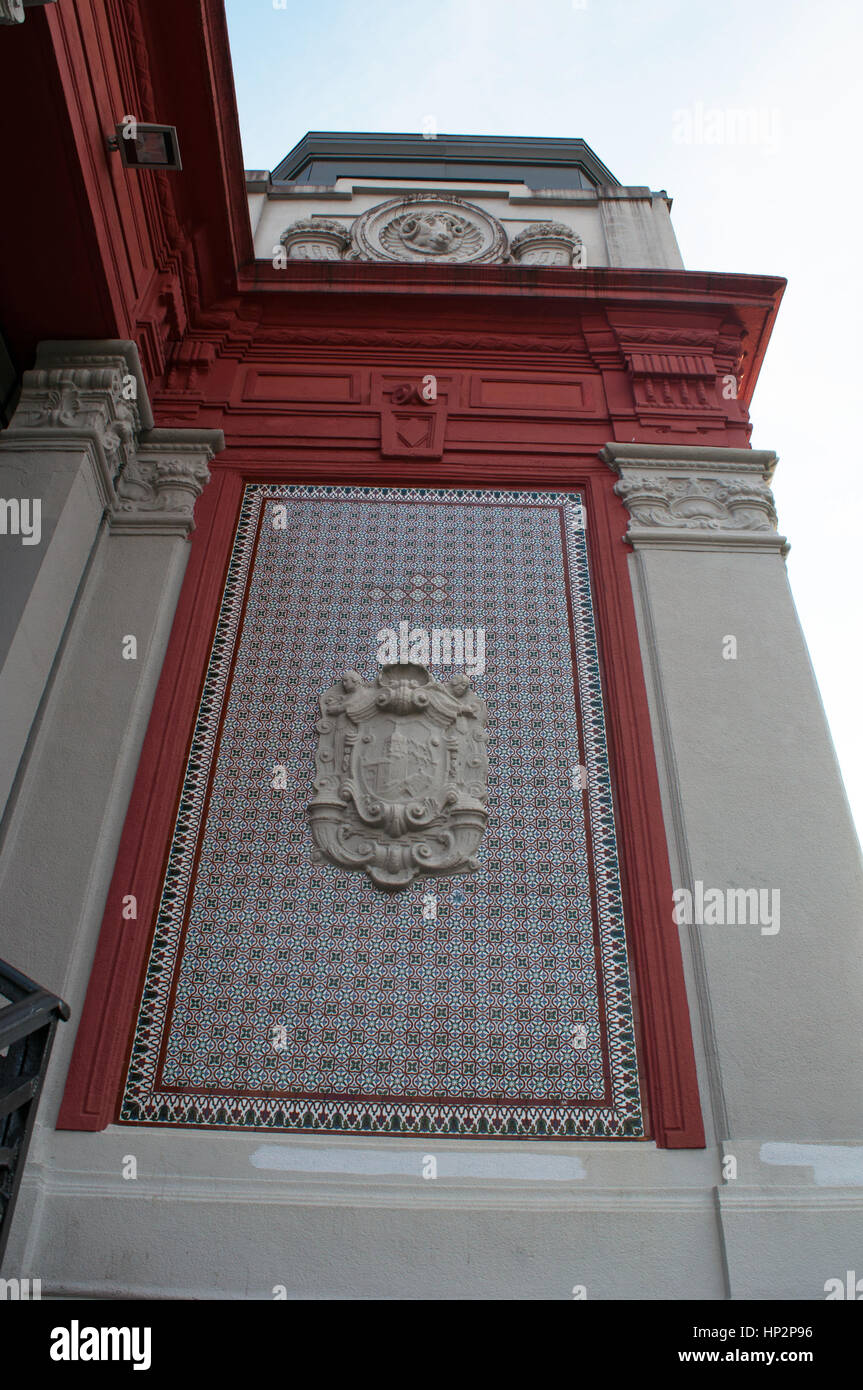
<point x="637" y="228"/>
<point x="122" y="496"/>
<point x="79" y="454"/>
<point x="754" y="805"/>
<point x="82" y="410"/>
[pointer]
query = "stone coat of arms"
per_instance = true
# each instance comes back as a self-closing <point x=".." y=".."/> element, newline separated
<point x="401" y="776"/>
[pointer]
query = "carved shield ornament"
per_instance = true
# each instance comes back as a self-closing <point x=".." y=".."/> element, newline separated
<point x="401" y="776"/>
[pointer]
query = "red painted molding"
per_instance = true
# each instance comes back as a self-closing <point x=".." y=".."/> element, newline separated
<point x="665" y="1044"/>
<point x="664" y="1034"/>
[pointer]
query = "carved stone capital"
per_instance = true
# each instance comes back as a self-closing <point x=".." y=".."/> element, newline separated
<point x="87" y="393"/>
<point x="157" y="493"/>
<point x="681" y="497"/>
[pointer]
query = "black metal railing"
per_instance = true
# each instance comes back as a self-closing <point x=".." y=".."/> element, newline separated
<point x="27" y="1026"/>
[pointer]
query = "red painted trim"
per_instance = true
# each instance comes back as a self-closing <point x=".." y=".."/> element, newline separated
<point x="104" y="1037"/>
<point x="665" y="1038"/>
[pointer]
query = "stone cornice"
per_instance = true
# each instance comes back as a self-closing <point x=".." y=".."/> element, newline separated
<point x="686" y="497"/>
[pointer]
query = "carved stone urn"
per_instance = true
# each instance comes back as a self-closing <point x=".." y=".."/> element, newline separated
<point x="315" y="239"/>
<point x="547" y="243"/>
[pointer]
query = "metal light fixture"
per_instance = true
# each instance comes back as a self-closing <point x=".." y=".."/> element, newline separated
<point x="12" y="11"/>
<point x="146" y="146"/>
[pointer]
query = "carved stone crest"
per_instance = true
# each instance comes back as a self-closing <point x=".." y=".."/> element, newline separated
<point x="428" y="227"/>
<point x="401" y="776"/>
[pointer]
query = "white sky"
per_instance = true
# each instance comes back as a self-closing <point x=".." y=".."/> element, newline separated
<point x="615" y="73"/>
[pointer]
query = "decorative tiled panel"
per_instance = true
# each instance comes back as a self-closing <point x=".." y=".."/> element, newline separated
<point x="287" y="994"/>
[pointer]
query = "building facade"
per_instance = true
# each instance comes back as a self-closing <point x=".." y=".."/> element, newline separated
<point x="414" y="777"/>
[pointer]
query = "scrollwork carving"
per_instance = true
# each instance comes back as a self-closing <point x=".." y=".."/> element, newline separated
<point x="11" y="12"/>
<point x="699" y="504"/>
<point x="162" y="485"/>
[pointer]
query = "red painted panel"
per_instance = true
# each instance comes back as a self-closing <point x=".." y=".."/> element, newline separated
<point x="562" y="395"/>
<point x="275" y="386"/>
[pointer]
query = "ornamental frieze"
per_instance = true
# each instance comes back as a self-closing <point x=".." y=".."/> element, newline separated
<point x="401" y="776"/>
<point x="432" y="228"/>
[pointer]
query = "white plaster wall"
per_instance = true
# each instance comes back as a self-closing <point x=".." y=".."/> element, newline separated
<point x="763" y="806"/>
<point x="257" y="202"/>
<point x="232" y="1215"/>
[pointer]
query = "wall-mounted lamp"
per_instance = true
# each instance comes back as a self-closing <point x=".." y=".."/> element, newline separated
<point x="12" y="11"/>
<point x="143" y="146"/>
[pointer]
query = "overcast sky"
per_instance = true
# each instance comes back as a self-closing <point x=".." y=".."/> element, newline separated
<point x="619" y="74"/>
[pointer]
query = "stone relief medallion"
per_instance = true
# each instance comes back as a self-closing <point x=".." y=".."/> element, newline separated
<point x="428" y="227"/>
<point x="401" y="776"/>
